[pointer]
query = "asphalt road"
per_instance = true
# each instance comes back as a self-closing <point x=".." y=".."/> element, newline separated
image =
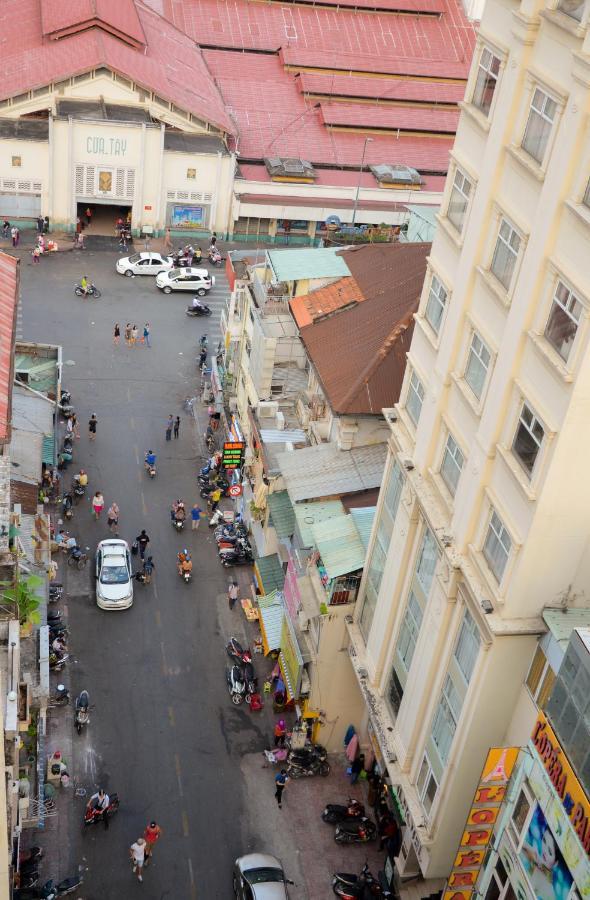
<point x="163" y="733"/>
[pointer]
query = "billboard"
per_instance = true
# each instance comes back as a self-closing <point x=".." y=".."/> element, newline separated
<point x="541" y="859"/>
<point x="186" y="217"/>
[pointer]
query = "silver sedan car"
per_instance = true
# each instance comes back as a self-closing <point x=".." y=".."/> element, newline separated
<point x="259" y="876"/>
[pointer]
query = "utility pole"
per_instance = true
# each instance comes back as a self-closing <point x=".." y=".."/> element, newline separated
<point x="368" y="140"/>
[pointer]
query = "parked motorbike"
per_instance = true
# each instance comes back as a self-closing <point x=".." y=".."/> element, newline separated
<point x="236" y="684"/>
<point x="251" y="680"/>
<point x="238" y="558"/>
<point x="92" y="816"/>
<point x="93" y="291"/>
<point x="308" y="762"/>
<point x="61" y="696"/>
<point x="201" y="310"/>
<point x="57" y="661"/>
<point x="28" y="878"/>
<point x="81" y="717"/>
<point x="350" y="886"/>
<point x="359" y="831"/>
<point x="65" y="397"/>
<point x="32" y="854"/>
<point x="58" y="630"/>
<point x="216" y="518"/>
<point x="235" y="650"/>
<point x="335" y="812"/>
<point x="56" y="592"/>
<point x="214" y="257"/>
<point x="78" y="490"/>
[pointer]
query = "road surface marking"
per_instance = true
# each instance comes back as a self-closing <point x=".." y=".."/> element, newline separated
<point x="136" y="454"/>
<point x="143" y="505"/>
<point x="164" y="666"/>
<point x="155" y="590"/>
<point x="191" y="875"/>
<point x="178" y="774"/>
<point x="171" y="717"/>
<point x="184" y="823"/>
<point x="132" y="423"/>
<point x="128" y="394"/>
<point x="158" y="619"/>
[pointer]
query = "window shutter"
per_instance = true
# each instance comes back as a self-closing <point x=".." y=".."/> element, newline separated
<point x="120" y="182"/>
<point x="207" y="198"/>
<point x="90" y="180"/>
<point x="130" y="189"/>
<point x="79" y="179"/>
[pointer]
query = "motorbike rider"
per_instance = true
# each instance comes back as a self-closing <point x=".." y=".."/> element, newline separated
<point x="197" y="304"/>
<point x="150" y="460"/>
<point x="81" y="478"/>
<point x="85" y="285"/>
<point x="198" y="255"/>
<point x="185" y="563"/>
<point x="178" y="511"/>
<point x="99" y="804"/>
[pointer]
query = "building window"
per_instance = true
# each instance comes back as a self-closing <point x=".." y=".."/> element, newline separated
<point x="445" y="719"/>
<point x="415" y="398"/>
<point x="586" y="197"/>
<point x="572" y="8"/>
<point x="395" y="692"/>
<point x="499" y="887"/>
<point x="427" y="561"/>
<point x="452" y="464"/>
<point x="408" y="635"/>
<point x="191" y="173"/>
<point x="393" y="492"/>
<point x="16" y="162"/>
<point x="435" y="306"/>
<point x="486" y="81"/>
<point x="539" y="125"/>
<point x="427" y="785"/>
<point x="467" y="648"/>
<point x="505" y="254"/>
<point x="563" y="321"/>
<point x="459" y="199"/>
<point x="528" y="439"/>
<point x="497" y="546"/>
<point x="540" y="679"/>
<point x="519" y="819"/>
<point x="478" y="362"/>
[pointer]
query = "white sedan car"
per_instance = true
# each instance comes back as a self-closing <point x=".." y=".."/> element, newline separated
<point x="196" y="280"/>
<point x="144" y="264"/>
<point x="259" y="875"/>
<point x="114" y="576"/>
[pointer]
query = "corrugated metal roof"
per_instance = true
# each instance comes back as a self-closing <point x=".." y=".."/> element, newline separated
<point x="30" y="412"/>
<point x="561" y="622"/>
<point x="48" y="449"/>
<point x="339" y="545"/>
<point x="272" y="613"/>
<point x="363" y="518"/>
<point x="282" y="513"/>
<point x="285" y="436"/>
<point x="270" y="572"/>
<point x="324" y="470"/>
<point x="316" y="262"/>
<point x="26" y="450"/>
<point x="308" y="514"/>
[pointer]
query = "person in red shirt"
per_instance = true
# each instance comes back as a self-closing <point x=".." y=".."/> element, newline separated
<point x="151" y="835"/>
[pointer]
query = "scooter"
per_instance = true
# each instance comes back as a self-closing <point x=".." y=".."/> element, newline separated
<point x="58" y="661"/>
<point x="186" y="575"/>
<point x="33" y="854"/>
<point x="238" y="559"/>
<point x="251" y="680"/>
<point x="201" y="310"/>
<point x="57" y="630"/>
<point x="81" y="717"/>
<point x="216" y="518"/>
<point x="92" y="291"/>
<point x="358" y="832"/>
<point x="150" y="469"/>
<point x="56" y="592"/>
<point x="61" y="696"/>
<point x="335" y="812"/>
<point x="92" y="816"/>
<point x="236" y="685"/>
<point x="214" y="257"/>
<point x="350" y="887"/>
<point x="50" y="890"/>
<point x="313" y="761"/>
<point x="178" y="524"/>
<point x="235" y="650"/>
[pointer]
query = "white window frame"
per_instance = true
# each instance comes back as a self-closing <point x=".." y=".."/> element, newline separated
<point x="537" y="113"/>
<point x="504" y="245"/>
<point x="451" y="453"/>
<point x="460" y="179"/>
<point x="517" y="837"/>
<point x="498" y="529"/>
<point x="546" y="670"/>
<point x="524" y="408"/>
<point x="567" y="308"/>
<point x="484" y="76"/>
<point x="436" y="304"/>
<point x="477" y="347"/>
<point x="425" y="776"/>
<point x="415" y="390"/>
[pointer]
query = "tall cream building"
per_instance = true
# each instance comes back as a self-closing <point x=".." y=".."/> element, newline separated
<point x="483" y="515"/>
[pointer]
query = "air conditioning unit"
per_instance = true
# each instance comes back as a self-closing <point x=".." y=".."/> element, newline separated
<point x="267" y="409"/>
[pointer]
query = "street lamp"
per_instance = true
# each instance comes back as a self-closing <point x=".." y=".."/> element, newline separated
<point x="368" y="140"/>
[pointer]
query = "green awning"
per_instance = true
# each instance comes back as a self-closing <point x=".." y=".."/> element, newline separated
<point x="282" y="513"/>
<point x="269" y="573"/>
<point x="364" y="517"/>
<point x="48" y="453"/>
<point x="339" y="545"/>
<point x="308" y="514"/>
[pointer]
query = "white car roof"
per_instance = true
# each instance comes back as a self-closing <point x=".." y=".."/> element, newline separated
<point x="193" y="271"/>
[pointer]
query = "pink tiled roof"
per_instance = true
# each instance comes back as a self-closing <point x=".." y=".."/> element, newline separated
<point x="380" y="88"/>
<point x="172" y="65"/>
<point x="443" y="67"/>
<point x="115" y="15"/>
<point x="406" y="118"/>
<point x="341" y="178"/>
<point x="9" y="291"/>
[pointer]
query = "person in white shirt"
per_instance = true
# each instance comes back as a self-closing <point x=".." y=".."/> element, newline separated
<point x="137" y="853"/>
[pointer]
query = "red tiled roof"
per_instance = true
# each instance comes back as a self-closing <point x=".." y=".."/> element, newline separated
<point x="171" y="65"/>
<point x="359" y="354"/>
<point x="331" y="202"/>
<point x="406" y="118"/>
<point x="374" y="88"/>
<point x="9" y="293"/>
<point x="444" y="66"/>
<point x="118" y="16"/>
<point x="341" y="178"/>
<point x="326" y="300"/>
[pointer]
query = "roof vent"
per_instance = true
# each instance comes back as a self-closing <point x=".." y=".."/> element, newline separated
<point x="289" y="169"/>
<point x="388" y="175"/>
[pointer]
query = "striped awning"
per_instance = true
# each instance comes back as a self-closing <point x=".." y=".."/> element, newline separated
<point x="272" y="614"/>
<point x="286" y="678"/>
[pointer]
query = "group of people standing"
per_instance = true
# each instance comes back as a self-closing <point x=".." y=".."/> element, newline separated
<point x="131" y="334"/>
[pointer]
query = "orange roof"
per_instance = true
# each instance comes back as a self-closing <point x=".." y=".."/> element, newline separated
<point x="321" y="303"/>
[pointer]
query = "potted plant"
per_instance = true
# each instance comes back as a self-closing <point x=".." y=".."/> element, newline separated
<point x="23" y="595"/>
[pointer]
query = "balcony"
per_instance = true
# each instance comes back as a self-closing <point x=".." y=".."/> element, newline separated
<point x="339" y="591"/>
<point x="269" y="296"/>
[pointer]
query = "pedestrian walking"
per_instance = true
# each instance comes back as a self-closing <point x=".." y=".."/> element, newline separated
<point x="196" y="513"/>
<point x="5" y="229"/>
<point x="169" y="426"/>
<point x="117" y="334"/>
<point x="168" y="240"/>
<point x="92" y="427"/>
<point x="75" y="426"/>
<point x="113" y="518"/>
<point x="46" y="225"/>
<point x="36" y="254"/>
<point x="97" y="504"/>
<point x="39" y="224"/>
<point x="128" y="334"/>
<point x="281" y="781"/>
<point x="232" y="593"/>
<point x="146" y="334"/>
<point x="214" y="498"/>
<point x="142" y="542"/>
<point x="88" y="215"/>
<point x="148" y="569"/>
<point x="176" y="426"/>
<point x="15" y="234"/>
<point x="152" y="834"/>
<point x="137" y="854"/>
<point x="134" y="334"/>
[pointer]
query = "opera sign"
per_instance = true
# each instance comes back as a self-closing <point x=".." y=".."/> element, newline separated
<point x="479" y="828"/>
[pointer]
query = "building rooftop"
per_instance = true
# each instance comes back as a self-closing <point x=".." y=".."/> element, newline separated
<point x="339" y="544"/>
<point x="326" y="300"/>
<point x="364" y="516"/>
<point x="282" y="513"/>
<point x="561" y="622"/>
<point x="311" y="262"/>
<point x="309" y="514"/>
<point x="359" y="353"/>
<point x="325" y="471"/>
<point x="9" y="295"/>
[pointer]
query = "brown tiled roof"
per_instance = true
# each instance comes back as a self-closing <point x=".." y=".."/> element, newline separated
<point x="359" y="353"/>
<point x="326" y="300"/>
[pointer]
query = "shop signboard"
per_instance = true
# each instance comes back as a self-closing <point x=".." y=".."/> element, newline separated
<point x="291" y="590"/>
<point x="187" y="216"/>
<point x="479" y="828"/>
<point x="562" y="777"/>
<point x="233" y="452"/>
<point x="291" y="655"/>
<point x="541" y="859"/>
